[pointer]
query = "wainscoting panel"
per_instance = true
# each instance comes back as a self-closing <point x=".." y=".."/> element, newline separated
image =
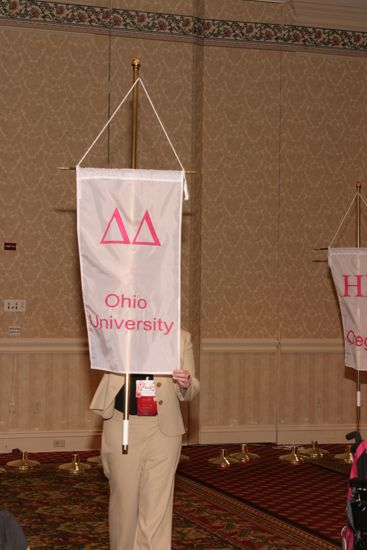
<point x="317" y="394"/>
<point x="46" y="389"/>
<point x="238" y="390"/>
<point x="288" y="392"/>
<point x="252" y="390"/>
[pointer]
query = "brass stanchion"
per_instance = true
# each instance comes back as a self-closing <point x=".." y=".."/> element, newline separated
<point x="136" y="64"/>
<point x="95" y="460"/>
<point x="223" y="461"/>
<point x="346" y="457"/>
<point x="293" y="457"/>
<point x="244" y="455"/>
<point x="314" y="451"/>
<point x="23" y="464"/>
<point x="75" y="467"/>
<point x="134" y="141"/>
<point x="183" y="458"/>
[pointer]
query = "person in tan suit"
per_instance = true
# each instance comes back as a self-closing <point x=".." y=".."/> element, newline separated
<point x="142" y="481"/>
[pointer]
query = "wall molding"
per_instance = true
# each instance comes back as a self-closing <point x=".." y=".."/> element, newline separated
<point x="271" y="345"/>
<point x="282" y="435"/>
<point x="208" y="345"/>
<point x="217" y="435"/>
<point x="45" y="441"/>
<point x="351" y="14"/>
<point x="43" y="345"/>
<point x="311" y="345"/>
<point x="302" y="434"/>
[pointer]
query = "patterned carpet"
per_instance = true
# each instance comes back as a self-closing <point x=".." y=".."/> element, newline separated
<point x="264" y="505"/>
<point x="310" y="496"/>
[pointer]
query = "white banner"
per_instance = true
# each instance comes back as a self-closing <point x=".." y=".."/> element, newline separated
<point x="129" y="233"/>
<point x="349" y="270"/>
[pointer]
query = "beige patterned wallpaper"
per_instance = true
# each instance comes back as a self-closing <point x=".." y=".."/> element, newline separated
<point x="55" y="106"/>
<point x="322" y="158"/>
<point x="277" y="138"/>
<point x="240" y="193"/>
<point x="280" y="168"/>
<point x="54" y="96"/>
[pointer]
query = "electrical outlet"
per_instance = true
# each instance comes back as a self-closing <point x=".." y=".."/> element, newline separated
<point x="14" y="305"/>
<point x="11" y="407"/>
<point x="57" y="443"/>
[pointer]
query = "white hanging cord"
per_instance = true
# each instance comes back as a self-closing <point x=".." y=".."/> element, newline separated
<point x="364" y="200"/>
<point x="186" y="192"/>
<point x="343" y="220"/>
<point x="108" y="121"/>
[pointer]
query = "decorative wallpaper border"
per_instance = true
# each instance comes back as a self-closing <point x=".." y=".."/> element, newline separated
<point x="94" y="18"/>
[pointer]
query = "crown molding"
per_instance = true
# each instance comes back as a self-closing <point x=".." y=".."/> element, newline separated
<point x="338" y="14"/>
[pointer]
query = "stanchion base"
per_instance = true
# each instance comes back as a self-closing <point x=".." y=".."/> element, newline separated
<point x="223" y="461"/>
<point x="244" y="455"/>
<point x="293" y="457"/>
<point x="23" y="464"/>
<point x="183" y="458"/>
<point x="95" y="460"/>
<point x="313" y="452"/>
<point x="75" y="467"/>
<point x="345" y="457"/>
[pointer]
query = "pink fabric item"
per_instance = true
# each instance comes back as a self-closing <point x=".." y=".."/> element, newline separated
<point x="362" y="448"/>
<point x="347" y="538"/>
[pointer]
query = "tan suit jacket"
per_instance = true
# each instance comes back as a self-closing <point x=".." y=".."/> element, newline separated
<point x="167" y="392"/>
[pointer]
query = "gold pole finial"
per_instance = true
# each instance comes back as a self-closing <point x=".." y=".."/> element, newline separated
<point x="136" y="63"/>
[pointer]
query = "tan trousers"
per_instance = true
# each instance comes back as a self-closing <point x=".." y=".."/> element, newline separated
<point x="141" y="483"/>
